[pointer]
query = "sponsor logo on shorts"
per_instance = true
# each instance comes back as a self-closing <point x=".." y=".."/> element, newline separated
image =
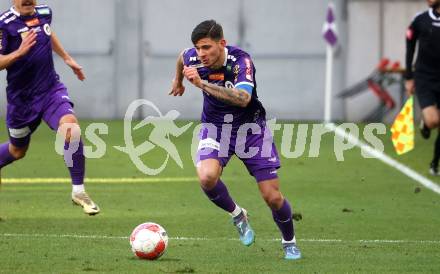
<point x="209" y="143"/>
<point x="273" y="159"/>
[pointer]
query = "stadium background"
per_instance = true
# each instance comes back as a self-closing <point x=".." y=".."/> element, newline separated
<point x="128" y="50"/>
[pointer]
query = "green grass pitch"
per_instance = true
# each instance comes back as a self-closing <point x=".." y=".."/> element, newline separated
<point x="345" y="207"/>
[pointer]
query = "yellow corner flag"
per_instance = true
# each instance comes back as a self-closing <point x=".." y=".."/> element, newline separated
<point x="402" y="129"/>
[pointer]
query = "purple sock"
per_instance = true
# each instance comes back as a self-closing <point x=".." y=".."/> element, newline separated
<point x="219" y="195"/>
<point x="283" y="219"/>
<point x="5" y="156"/>
<point x="77" y="169"/>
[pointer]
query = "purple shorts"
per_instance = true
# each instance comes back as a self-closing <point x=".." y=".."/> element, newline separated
<point x="254" y="147"/>
<point x="22" y="121"/>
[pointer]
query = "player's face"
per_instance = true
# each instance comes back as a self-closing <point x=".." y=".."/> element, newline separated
<point x="433" y="3"/>
<point x="210" y="51"/>
<point x="25" y="7"/>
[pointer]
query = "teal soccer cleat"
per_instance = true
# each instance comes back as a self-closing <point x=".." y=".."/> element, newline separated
<point x="291" y="251"/>
<point x="241" y="222"/>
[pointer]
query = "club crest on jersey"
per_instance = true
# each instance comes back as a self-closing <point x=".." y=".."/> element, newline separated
<point x="236" y="69"/>
<point x="47" y="29"/>
<point x="217" y="77"/>
<point x="33" y="22"/>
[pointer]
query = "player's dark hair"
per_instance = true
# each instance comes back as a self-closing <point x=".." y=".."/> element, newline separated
<point x="207" y="29"/>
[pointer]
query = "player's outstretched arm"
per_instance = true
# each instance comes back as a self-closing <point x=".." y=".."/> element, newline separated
<point x="26" y="44"/>
<point x="177" y="88"/>
<point x="231" y="96"/>
<point x="61" y="52"/>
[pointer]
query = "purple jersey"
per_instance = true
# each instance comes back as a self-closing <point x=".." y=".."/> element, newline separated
<point x="31" y="77"/>
<point x="237" y="71"/>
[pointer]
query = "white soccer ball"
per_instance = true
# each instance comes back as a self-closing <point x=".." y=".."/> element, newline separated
<point x="149" y="241"/>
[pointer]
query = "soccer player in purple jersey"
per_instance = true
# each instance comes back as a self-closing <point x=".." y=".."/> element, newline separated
<point x="34" y="91"/>
<point x="233" y="122"/>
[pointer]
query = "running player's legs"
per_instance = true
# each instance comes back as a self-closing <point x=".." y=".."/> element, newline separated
<point x="210" y="166"/>
<point x="263" y="166"/>
<point x="209" y="163"/>
<point x="209" y="171"/>
<point x="59" y="114"/>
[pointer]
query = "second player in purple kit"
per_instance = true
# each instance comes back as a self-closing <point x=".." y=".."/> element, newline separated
<point x="34" y="90"/>
<point x="234" y="122"/>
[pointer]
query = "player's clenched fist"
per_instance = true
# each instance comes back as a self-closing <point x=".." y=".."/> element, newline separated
<point x="193" y="76"/>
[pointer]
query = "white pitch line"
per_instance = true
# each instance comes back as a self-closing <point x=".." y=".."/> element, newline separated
<point x="99" y="180"/>
<point x="386" y="159"/>
<point x="104" y="237"/>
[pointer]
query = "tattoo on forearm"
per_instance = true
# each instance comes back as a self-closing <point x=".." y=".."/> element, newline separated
<point x="231" y="96"/>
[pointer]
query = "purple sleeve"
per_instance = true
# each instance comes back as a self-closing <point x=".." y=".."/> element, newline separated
<point x="3" y="40"/>
<point x="244" y="72"/>
<point x="188" y="56"/>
